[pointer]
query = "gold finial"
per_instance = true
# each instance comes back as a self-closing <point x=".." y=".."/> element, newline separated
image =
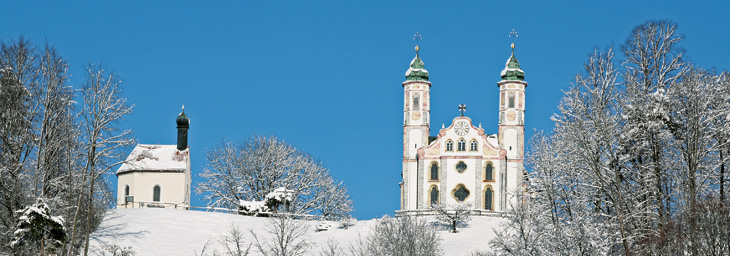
<point x="183" y="108"/>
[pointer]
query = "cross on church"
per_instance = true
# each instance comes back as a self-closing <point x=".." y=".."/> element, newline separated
<point x="462" y="108"/>
<point x="417" y="37"/>
<point x="513" y="35"/>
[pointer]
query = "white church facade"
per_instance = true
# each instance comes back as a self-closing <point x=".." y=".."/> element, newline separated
<point x="157" y="175"/>
<point x="461" y="163"/>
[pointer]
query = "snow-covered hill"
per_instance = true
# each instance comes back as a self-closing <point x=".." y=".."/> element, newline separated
<point x="152" y="231"/>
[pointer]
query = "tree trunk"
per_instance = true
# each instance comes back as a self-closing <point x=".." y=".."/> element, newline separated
<point x="88" y="216"/>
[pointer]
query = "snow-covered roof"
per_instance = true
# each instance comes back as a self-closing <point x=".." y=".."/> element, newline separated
<point x="147" y="157"/>
<point x="410" y="70"/>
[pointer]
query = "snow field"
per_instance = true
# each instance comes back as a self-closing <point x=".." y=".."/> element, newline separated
<point x="159" y="231"/>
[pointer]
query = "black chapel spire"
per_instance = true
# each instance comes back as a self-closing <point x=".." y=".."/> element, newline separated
<point x="183" y="124"/>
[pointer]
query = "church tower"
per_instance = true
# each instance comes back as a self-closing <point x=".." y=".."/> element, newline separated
<point x="416" y="115"/>
<point x="183" y="124"/>
<point x="511" y="122"/>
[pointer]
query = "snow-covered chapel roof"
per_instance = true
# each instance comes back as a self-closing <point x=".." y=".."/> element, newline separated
<point x="147" y="157"/>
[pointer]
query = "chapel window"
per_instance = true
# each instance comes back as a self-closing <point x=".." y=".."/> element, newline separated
<point x="156" y="193"/>
<point x="461" y="193"/>
<point x="488" y="172"/>
<point x="461" y="167"/>
<point x="449" y="145"/>
<point x="126" y="190"/>
<point x="473" y="145"/>
<point x="416" y="106"/>
<point x="488" y="196"/>
<point x="434" y="171"/>
<point x="462" y="145"/>
<point x="434" y="196"/>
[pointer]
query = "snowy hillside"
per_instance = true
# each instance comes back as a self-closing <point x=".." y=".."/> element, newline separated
<point x="152" y="231"/>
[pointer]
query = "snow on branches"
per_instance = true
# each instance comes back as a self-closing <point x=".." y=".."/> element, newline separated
<point x="251" y="171"/>
<point x="37" y="227"/>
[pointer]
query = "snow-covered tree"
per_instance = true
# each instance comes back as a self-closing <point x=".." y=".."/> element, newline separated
<point x="37" y="227"/>
<point x="634" y="149"/>
<point x="453" y="215"/>
<point x="251" y="171"/>
<point x="42" y="149"/>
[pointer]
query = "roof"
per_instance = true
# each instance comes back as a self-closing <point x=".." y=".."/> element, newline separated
<point x="147" y="157"/>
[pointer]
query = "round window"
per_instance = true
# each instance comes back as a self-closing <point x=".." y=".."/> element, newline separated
<point x="461" y="167"/>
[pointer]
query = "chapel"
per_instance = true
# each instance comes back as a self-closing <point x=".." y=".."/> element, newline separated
<point x="460" y="163"/>
<point x="157" y="176"/>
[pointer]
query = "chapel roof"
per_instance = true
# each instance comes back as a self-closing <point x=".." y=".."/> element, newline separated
<point x="148" y="157"/>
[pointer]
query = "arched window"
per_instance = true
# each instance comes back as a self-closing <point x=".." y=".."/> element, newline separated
<point x="462" y="145"/>
<point x="156" y="193"/>
<point x="461" y="167"/>
<point x="434" y="196"/>
<point x="488" y="196"/>
<point x="488" y="172"/>
<point x="434" y="171"/>
<point x="460" y="193"/>
<point x="449" y="145"/>
<point x="511" y="100"/>
<point x="126" y="190"/>
<point x="416" y="106"/>
<point x="473" y="145"/>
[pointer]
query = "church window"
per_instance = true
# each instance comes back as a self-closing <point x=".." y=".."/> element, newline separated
<point x="434" y="171"/>
<point x="511" y="100"/>
<point x="473" y="145"/>
<point x="489" y="172"/>
<point x="434" y="196"/>
<point x="126" y="190"/>
<point x="488" y="198"/>
<point x="461" y="167"/>
<point x="462" y="145"/>
<point x="156" y="193"/>
<point x="460" y="193"/>
<point x="416" y="106"/>
<point x="449" y="145"/>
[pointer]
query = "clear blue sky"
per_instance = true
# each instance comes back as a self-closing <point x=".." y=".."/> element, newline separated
<point x="326" y="75"/>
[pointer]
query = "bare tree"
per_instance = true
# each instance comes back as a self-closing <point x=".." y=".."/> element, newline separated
<point x="453" y="215"/>
<point x="250" y="171"/>
<point x="103" y="107"/>
<point x="286" y="237"/>
<point x="332" y="249"/>
<point x="403" y="236"/>
<point x="234" y="244"/>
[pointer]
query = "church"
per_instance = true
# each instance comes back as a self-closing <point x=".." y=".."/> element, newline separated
<point x="157" y="176"/>
<point x="461" y="163"/>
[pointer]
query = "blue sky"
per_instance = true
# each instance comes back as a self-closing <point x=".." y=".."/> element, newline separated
<point x="326" y="75"/>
